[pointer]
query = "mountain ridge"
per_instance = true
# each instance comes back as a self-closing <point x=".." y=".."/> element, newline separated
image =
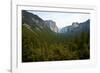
<point x="76" y="27"/>
<point x="36" y="22"/>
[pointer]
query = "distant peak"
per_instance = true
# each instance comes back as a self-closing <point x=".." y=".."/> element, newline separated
<point x="75" y="24"/>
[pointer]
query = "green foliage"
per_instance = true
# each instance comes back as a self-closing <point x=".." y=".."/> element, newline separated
<point x="49" y="46"/>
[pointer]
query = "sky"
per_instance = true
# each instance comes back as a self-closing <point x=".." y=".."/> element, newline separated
<point x="62" y="19"/>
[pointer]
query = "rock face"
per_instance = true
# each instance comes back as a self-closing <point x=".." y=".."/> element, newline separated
<point x="70" y="28"/>
<point x="52" y="25"/>
<point x="74" y="26"/>
<point x="77" y="27"/>
<point x="34" y="21"/>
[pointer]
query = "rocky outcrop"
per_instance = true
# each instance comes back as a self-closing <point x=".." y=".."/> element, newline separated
<point x="77" y="27"/>
<point x="35" y="22"/>
<point x="52" y="25"/>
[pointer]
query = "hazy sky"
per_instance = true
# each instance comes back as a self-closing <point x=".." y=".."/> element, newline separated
<point x="62" y="19"/>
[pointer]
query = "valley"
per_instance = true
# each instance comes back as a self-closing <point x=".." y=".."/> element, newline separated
<point x="43" y="41"/>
